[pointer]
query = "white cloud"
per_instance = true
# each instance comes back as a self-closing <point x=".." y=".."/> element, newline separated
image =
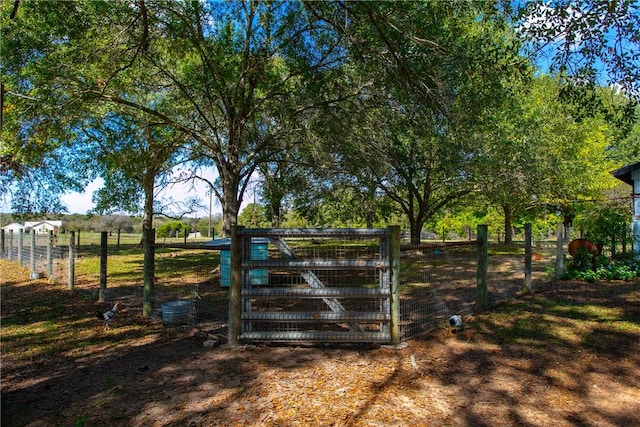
<point x="80" y="202"/>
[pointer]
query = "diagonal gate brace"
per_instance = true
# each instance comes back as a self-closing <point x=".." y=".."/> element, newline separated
<point x="313" y="281"/>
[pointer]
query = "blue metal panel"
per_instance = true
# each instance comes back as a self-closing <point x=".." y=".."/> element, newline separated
<point x="259" y="252"/>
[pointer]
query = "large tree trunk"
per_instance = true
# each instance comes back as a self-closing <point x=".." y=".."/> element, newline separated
<point x="230" y="207"/>
<point x="229" y="201"/>
<point x="369" y="215"/>
<point x="508" y="233"/>
<point x="275" y="214"/>
<point x="416" y="229"/>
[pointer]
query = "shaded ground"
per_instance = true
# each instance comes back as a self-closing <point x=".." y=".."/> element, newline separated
<point x="569" y="355"/>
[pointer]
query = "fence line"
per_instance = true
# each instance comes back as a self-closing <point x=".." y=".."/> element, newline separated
<point x="436" y="280"/>
<point x="39" y="252"/>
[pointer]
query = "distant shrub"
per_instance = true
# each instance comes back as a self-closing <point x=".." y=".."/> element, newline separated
<point x="172" y="229"/>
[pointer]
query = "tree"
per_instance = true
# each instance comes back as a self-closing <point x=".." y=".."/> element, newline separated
<point x="625" y="147"/>
<point x="540" y="156"/>
<point x="43" y="107"/>
<point x="35" y="167"/>
<point x="237" y="66"/>
<point x="426" y="70"/>
<point x="518" y="155"/>
<point x="281" y="177"/>
<point x="173" y="229"/>
<point x="591" y="41"/>
<point x="116" y="222"/>
<point x="230" y="69"/>
<point x="254" y="215"/>
<point x="415" y="167"/>
<point x="135" y="159"/>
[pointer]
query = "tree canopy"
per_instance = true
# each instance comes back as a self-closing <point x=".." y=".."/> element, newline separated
<point x="375" y="108"/>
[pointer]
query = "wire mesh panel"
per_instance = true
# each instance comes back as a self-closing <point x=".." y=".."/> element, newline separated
<point x="439" y="280"/>
<point x="324" y="285"/>
<point x="41" y="253"/>
<point x="436" y="281"/>
<point x="188" y="290"/>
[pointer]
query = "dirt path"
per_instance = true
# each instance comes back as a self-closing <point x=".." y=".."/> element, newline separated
<point x="564" y="357"/>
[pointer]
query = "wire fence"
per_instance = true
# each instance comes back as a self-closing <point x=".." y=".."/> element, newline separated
<point x="436" y="281"/>
<point x="188" y="289"/>
<point x="41" y="253"/>
<point x="192" y="283"/>
<point x="439" y="280"/>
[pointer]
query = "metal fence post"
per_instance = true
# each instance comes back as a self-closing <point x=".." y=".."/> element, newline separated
<point x="394" y="258"/>
<point x="32" y="254"/>
<point x="72" y="260"/>
<point x="483" y="264"/>
<point x="528" y="252"/>
<point x="50" y="257"/>
<point x="235" y="291"/>
<point x="20" y="244"/>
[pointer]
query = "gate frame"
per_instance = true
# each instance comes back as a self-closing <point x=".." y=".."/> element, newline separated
<point x="240" y="260"/>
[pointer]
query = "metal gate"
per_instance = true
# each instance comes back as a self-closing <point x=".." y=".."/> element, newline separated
<point x="315" y="285"/>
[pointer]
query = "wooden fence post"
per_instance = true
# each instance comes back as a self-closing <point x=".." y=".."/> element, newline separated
<point x="394" y="258"/>
<point x="149" y="249"/>
<point x="559" y="251"/>
<point x="483" y="266"/>
<point x="72" y="260"/>
<point x="102" y="296"/>
<point x="528" y="252"/>
<point x="235" y="291"/>
<point x="2" y="242"/>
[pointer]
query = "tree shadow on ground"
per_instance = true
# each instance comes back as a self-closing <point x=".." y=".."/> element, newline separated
<point x="573" y="350"/>
<point x="568" y="355"/>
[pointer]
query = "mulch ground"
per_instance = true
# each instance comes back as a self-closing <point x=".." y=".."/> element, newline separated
<point x="502" y="370"/>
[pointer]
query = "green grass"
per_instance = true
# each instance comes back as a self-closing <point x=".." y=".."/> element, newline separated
<point x="126" y="266"/>
<point x="602" y="323"/>
<point x="41" y="320"/>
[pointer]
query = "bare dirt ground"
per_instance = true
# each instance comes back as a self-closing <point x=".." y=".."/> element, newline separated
<point x="565" y="356"/>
